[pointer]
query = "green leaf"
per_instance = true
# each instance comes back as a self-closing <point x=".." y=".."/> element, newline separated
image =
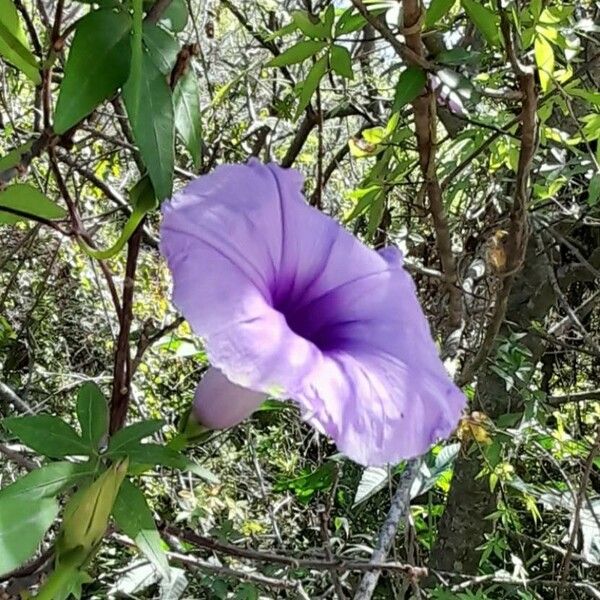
<point x="27" y="199"/>
<point x="92" y="413"/>
<point x="375" y="215"/>
<point x="351" y="21"/>
<point x="153" y="454"/>
<point x="13" y="158"/>
<point x="149" y="104"/>
<point x="310" y="25"/>
<point x="594" y="190"/>
<point x="436" y="11"/>
<point x="47" y="435"/>
<point x="410" y="84"/>
<point x="142" y="196"/>
<point x="311" y="83"/>
<point x="130" y="436"/>
<point x="13" y="43"/>
<point x="341" y="61"/>
<point x="98" y="64"/>
<point x="308" y="484"/>
<point x="23" y="524"/>
<point x="484" y="19"/>
<point x="188" y="121"/>
<point x="47" y="481"/>
<point x="328" y="19"/>
<point x="175" y="16"/>
<point x="458" y="56"/>
<point x="134" y="517"/>
<point x="544" y="59"/>
<point x="162" y="47"/>
<point x="297" y="53"/>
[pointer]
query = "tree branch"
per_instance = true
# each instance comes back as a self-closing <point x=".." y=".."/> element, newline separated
<point x="398" y="509"/>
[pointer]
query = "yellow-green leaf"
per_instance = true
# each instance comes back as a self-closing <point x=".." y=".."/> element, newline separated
<point x="544" y="58"/>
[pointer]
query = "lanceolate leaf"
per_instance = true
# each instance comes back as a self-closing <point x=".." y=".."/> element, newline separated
<point x="188" y="123"/>
<point x="341" y="61"/>
<point x="544" y="58"/>
<point x="13" y="43"/>
<point x="149" y="104"/>
<point x="47" y="435"/>
<point x="22" y="528"/>
<point x="133" y="516"/>
<point x="98" y="64"/>
<point x="162" y="46"/>
<point x="13" y="158"/>
<point x="310" y="25"/>
<point x="436" y="10"/>
<point x="92" y="412"/>
<point x="130" y="436"/>
<point x="311" y="83"/>
<point x="484" y="19"/>
<point x="297" y="53"/>
<point x="410" y="84"/>
<point x="47" y="481"/>
<point x="29" y="201"/>
<point x="175" y="16"/>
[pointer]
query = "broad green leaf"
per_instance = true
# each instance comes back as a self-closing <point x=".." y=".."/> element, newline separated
<point x="410" y="84"/>
<point x="175" y="16"/>
<point x="188" y="122"/>
<point x="92" y="413"/>
<point x="161" y="46"/>
<point x="13" y="158"/>
<point x="341" y="61"/>
<point x="297" y="53"/>
<point x="436" y="11"/>
<point x="484" y="19"/>
<point x="594" y="190"/>
<point x="13" y="43"/>
<point x="134" y="517"/>
<point x="310" y="25"/>
<point x="47" y="435"/>
<point x="544" y="59"/>
<point x="23" y="523"/>
<point x="132" y="434"/>
<point x="149" y="104"/>
<point x="98" y="64"/>
<point x="47" y="481"/>
<point x="311" y="83"/>
<point x="29" y="200"/>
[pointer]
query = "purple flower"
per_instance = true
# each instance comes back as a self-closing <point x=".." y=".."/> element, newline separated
<point x="290" y="304"/>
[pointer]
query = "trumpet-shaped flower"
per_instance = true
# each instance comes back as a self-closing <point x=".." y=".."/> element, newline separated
<point x="290" y="304"/>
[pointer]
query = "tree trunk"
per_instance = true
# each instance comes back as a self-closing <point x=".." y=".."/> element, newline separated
<point x="463" y="525"/>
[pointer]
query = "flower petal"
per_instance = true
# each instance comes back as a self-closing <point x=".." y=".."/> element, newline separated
<point x="291" y="304"/>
